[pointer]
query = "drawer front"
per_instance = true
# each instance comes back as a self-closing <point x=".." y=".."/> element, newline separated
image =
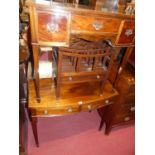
<point x="72" y="79"/>
<point x="93" y="24"/>
<point x="84" y="77"/>
<point x="131" y="89"/>
<point x="127" y="33"/>
<point x="72" y="108"/>
<point x="129" y="99"/>
<point x="126" y="85"/>
<point x="53" y="28"/>
<point x="97" y="104"/>
<point x="123" y="119"/>
<point x="126" y="113"/>
<point x="128" y="108"/>
<point x="54" y="111"/>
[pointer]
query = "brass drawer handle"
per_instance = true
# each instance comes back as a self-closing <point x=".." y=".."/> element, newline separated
<point x="126" y="118"/>
<point x="128" y="32"/>
<point x="132" y="109"/>
<point x="70" y="109"/>
<point x="97" y="25"/>
<point x="45" y="112"/>
<point x="52" y="27"/>
<point x="80" y="103"/>
<point x="89" y="108"/>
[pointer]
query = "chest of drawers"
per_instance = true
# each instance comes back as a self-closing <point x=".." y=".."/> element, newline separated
<point x="123" y="111"/>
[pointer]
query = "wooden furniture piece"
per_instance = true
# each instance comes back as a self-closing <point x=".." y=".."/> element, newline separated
<point x="83" y="62"/>
<point x="58" y="24"/>
<point x="123" y="111"/>
<point x="75" y="98"/>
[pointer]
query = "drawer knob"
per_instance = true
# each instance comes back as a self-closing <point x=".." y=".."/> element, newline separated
<point x="128" y="32"/>
<point x="70" y="109"/>
<point x="80" y="103"/>
<point x="52" y="27"/>
<point x="106" y="101"/>
<point x="97" y="25"/>
<point x="132" y="109"/>
<point x="89" y="108"/>
<point x="70" y="78"/>
<point x="45" y="112"/>
<point x="98" y="77"/>
<point x="126" y="118"/>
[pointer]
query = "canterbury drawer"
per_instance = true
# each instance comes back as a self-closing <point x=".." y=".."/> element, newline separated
<point x="127" y="33"/>
<point x="73" y="79"/>
<point x="94" y="24"/>
<point x="53" y="28"/>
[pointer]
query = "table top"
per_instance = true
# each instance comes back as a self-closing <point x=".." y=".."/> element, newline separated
<point x="70" y="94"/>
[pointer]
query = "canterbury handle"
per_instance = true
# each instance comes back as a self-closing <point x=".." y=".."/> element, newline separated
<point x="97" y="25"/>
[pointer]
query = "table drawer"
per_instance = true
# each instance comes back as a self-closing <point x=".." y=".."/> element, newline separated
<point x="54" y="111"/>
<point x="53" y="28"/>
<point x="94" y="24"/>
<point x="98" y="104"/>
<point x="72" y="108"/>
<point x="127" y="33"/>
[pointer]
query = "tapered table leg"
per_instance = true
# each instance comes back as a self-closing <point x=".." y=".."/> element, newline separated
<point x="101" y="124"/>
<point x="34" y="129"/>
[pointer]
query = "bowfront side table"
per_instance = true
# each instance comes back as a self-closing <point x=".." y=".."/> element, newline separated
<point x="84" y="97"/>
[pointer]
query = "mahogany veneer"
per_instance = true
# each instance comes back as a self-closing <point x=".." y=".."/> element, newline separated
<point x="127" y="33"/>
<point x="74" y="98"/>
<point x="56" y="25"/>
